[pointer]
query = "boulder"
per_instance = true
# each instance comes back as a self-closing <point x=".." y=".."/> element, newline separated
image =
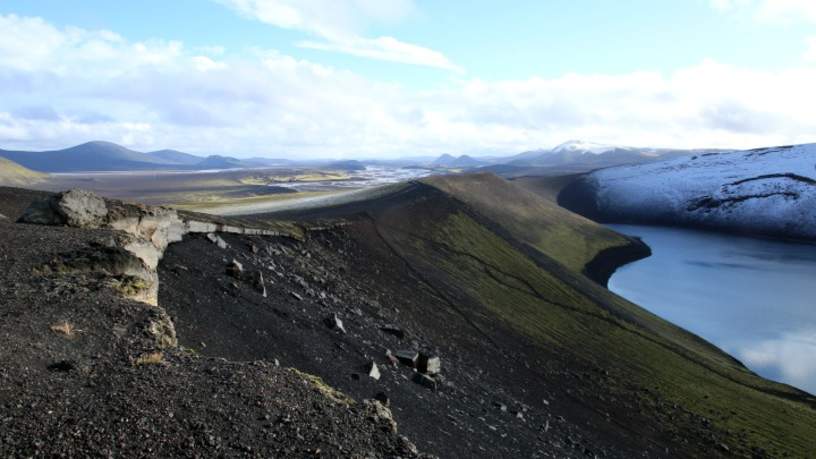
<point x="429" y="365"/>
<point x="82" y="209"/>
<point x="78" y="208"/>
<point x="407" y="357"/>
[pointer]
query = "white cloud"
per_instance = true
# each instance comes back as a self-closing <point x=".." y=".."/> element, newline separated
<point x="810" y="52"/>
<point x="339" y="22"/>
<point x="787" y="10"/>
<point x="77" y="85"/>
<point x="771" y="10"/>
<point x="386" y="49"/>
<point x="728" y="5"/>
<point x="790" y="356"/>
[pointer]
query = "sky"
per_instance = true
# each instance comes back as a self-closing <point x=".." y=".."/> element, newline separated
<point x="389" y="78"/>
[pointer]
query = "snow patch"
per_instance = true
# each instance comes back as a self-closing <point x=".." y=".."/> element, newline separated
<point x="768" y="190"/>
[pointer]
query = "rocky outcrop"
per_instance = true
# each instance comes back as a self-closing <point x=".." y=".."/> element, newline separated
<point x="143" y="231"/>
<point x="77" y="208"/>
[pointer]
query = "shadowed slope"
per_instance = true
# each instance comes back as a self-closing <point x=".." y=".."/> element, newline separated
<point x="675" y="389"/>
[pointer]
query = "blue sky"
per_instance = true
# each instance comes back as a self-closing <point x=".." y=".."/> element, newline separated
<point x="393" y="77"/>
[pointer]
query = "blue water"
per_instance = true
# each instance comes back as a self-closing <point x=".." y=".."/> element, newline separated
<point x="753" y="298"/>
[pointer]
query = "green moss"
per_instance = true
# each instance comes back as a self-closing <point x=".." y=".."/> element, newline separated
<point x="566" y="237"/>
<point x="325" y="389"/>
<point x="592" y="324"/>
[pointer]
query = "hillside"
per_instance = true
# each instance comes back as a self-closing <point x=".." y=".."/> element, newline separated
<point x="13" y="174"/>
<point x="768" y="191"/>
<point x="566" y="237"/>
<point x="535" y="359"/>
<point x="661" y="386"/>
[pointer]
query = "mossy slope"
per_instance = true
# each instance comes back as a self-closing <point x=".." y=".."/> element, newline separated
<point x="478" y="252"/>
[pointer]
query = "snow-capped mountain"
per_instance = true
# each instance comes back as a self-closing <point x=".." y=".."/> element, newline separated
<point x="768" y="191"/>
<point x="583" y="146"/>
<point x="581" y="155"/>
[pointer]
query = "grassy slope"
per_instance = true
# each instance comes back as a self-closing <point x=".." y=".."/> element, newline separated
<point x="560" y="309"/>
<point x="13" y="174"/>
<point x="567" y="237"/>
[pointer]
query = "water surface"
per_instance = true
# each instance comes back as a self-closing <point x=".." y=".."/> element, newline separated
<point x="753" y="298"/>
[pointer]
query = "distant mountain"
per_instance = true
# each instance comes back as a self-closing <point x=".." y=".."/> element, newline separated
<point x="220" y="162"/>
<point x="583" y="146"/>
<point x="101" y="156"/>
<point x="91" y="156"/>
<point x="175" y="157"/>
<point x="13" y="174"/>
<point x="463" y="161"/>
<point x="578" y="155"/>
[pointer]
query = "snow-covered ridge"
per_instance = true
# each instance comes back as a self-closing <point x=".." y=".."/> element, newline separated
<point x="584" y="146"/>
<point x="768" y="191"/>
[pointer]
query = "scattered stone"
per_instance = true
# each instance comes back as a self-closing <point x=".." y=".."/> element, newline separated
<point x="297" y="297"/>
<point x="259" y="284"/>
<point x="373" y="371"/>
<point x="407" y="357"/>
<point x="235" y="269"/>
<point x="393" y="330"/>
<point x="425" y="380"/>
<point x="335" y="323"/>
<point x="429" y="365"/>
<point x="3" y="217"/>
<point x="519" y="415"/>
<point x="392" y="359"/>
<point x="501" y="406"/>
<point x="253" y="248"/>
<point x="215" y="239"/>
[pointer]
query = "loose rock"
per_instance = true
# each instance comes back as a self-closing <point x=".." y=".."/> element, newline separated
<point x="215" y="239"/>
<point x="373" y="371"/>
<point x="407" y="357"/>
<point x="259" y="284"/>
<point x="425" y="380"/>
<point x="235" y="269"/>
<point x="335" y="323"/>
<point x="429" y="365"/>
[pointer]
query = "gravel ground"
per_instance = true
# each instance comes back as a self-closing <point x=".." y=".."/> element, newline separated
<point x="84" y="372"/>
